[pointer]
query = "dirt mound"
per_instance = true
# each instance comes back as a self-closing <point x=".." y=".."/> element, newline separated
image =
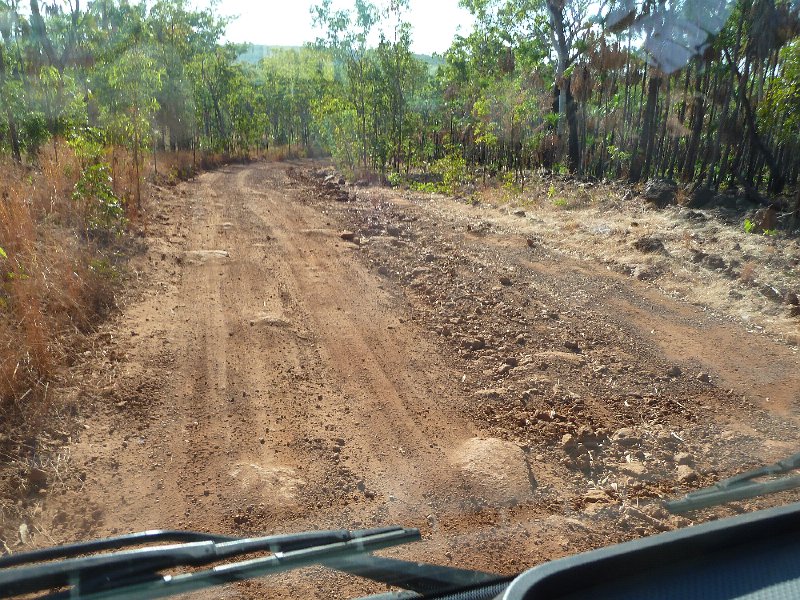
<point x="497" y="471"/>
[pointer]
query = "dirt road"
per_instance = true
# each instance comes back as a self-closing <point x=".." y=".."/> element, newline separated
<point x="435" y="371"/>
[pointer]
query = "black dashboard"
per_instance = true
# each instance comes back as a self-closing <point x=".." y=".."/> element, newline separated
<point x="754" y="556"/>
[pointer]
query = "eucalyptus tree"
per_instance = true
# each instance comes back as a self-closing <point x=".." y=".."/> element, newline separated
<point x="12" y="89"/>
<point x="347" y="34"/>
<point x="294" y="85"/>
<point x="398" y="73"/>
<point x="135" y="80"/>
<point x="563" y="24"/>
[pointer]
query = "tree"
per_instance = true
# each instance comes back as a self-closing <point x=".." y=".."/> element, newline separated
<point x="561" y="22"/>
<point x="347" y="35"/>
<point x="135" y="79"/>
<point x="11" y="86"/>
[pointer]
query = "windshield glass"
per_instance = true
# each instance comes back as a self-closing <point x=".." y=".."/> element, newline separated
<point x="512" y="273"/>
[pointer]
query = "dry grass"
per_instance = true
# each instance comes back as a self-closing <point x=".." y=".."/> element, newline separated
<point x="55" y="286"/>
<point x="58" y="280"/>
<point x="50" y="289"/>
<point x="170" y="168"/>
<point x="281" y="153"/>
<point x="603" y="220"/>
<point x="277" y="154"/>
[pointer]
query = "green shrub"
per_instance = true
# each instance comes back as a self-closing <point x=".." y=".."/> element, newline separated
<point x="510" y="184"/>
<point x="453" y="170"/>
<point x="394" y="179"/>
<point x="750" y="227"/>
<point x="88" y="144"/>
<point x="427" y="187"/>
<point x="34" y="132"/>
<point x="102" y="210"/>
<point x="103" y="268"/>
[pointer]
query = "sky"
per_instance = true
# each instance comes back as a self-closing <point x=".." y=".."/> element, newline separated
<point x="288" y="22"/>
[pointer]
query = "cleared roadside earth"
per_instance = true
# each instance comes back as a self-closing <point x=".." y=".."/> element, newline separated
<point x="435" y="372"/>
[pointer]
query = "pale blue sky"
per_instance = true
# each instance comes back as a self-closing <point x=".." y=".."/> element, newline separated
<point x="288" y="22"/>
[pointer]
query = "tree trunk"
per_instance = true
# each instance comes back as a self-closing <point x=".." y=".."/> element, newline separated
<point x="698" y="113"/>
<point x="776" y="177"/>
<point x="555" y="9"/>
<point x="13" y="135"/>
<point x="715" y="147"/>
<point x="649" y="131"/>
<point x="661" y="149"/>
<point x="681" y="118"/>
<point x="574" y="151"/>
<point x="643" y="152"/>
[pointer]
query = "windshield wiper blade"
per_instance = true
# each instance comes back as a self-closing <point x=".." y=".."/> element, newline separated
<point x="168" y="585"/>
<point x="740" y="487"/>
<point x="110" y="543"/>
<point x="25" y="573"/>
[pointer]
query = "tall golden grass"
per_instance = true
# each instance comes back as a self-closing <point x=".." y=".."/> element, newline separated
<point x="51" y="291"/>
<point x="55" y="280"/>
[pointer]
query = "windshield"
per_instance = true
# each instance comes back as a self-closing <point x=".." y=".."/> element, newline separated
<point x="511" y="273"/>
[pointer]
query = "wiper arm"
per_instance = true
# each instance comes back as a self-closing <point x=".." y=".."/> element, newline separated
<point x="741" y="487"/>
<point x="417" y="577"/>
<point x="93" y="576"/>
<point x="258" y="567"/>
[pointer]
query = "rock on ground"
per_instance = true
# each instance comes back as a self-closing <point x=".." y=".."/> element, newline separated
<point x="497" y="470"/>
<point x="660" y="192"/>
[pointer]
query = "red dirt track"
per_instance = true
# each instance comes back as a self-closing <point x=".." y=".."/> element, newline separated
<point x="513" y="403"/>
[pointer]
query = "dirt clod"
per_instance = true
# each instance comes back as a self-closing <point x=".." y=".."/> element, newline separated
<point x="660" y="192"/>
<point x="686" y="474"/>
<point x="674" y="371"/>
<point x="649" y="245"/>
<point x="37" y="477"/>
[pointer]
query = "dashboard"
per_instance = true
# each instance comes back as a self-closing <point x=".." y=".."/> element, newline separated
<point x="754" y="556"/>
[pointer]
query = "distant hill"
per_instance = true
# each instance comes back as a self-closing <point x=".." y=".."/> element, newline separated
<point x="433" y="62"/>
<point x="255" y="52"/>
